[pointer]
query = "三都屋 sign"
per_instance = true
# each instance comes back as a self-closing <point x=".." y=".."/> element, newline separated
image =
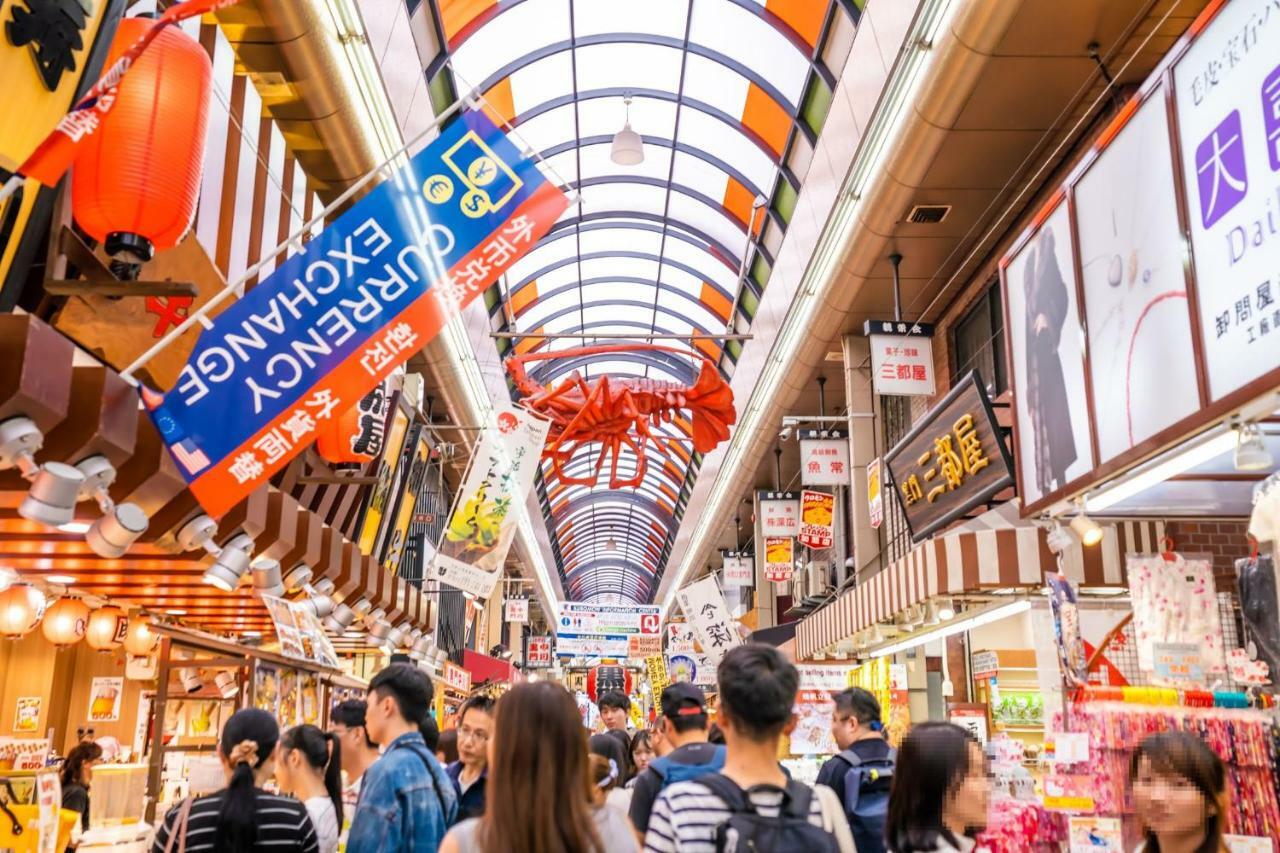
<point x="953" y="460"/>
<point x="359" y="299"/>
<point x="901" y="357"/>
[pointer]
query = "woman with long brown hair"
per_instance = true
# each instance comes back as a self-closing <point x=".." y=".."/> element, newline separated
<point x="540" y="798"/>
<point x="1180" y="794"/>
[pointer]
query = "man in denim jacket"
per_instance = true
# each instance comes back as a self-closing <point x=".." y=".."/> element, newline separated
<point x="406" y="800"/>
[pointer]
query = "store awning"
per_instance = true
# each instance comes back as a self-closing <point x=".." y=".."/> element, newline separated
<point x="972" y="561"/>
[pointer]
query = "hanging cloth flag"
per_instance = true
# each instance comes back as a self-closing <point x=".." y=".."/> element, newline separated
<point x="375" y="287"/>
<point x="52" y="157"/>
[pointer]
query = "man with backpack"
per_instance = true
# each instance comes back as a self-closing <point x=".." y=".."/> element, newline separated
<point x="750" y="805"/>
<point x="862" y="773"/>
<point x="684" y="726"/>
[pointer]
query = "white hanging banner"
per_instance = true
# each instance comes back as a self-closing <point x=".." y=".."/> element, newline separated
<point x="517" y="610"/>
<point x="824" y="458"/>
<point x="779" y="513"/>
<point x="475" y="542"/>
<point x="739" y="571"/>
<point x="704" y="606"/>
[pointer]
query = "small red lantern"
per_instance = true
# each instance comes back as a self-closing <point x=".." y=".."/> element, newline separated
<point x="358" y="433"/>
<point x="606" y="677"/>
<point x="136" y="181"/>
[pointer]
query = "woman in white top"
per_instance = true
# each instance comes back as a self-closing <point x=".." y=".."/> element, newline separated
<point x="940" y="791"/>
<point x="309" y="767"/>
<point x="1179" y="794"/>
<point x="540" y="792"/>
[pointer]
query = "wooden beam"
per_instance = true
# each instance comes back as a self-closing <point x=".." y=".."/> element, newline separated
<point x="115" y="287"/>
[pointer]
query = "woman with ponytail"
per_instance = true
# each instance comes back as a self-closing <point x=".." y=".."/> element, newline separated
<point x="309" y="766"/>
<point x="241" y="816"/>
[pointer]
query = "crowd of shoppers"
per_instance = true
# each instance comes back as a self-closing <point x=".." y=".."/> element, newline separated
<point x="529" y="779"/>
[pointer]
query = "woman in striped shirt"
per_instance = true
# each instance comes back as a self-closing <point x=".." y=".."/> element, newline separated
<point x="241" y="817"/>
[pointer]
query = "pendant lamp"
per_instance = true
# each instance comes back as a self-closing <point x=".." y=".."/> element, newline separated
<point x="21" y="606"/>
<point x="139" y="639"/>
<point x="136" y="181"/>
<point x="107" y="627"/>
<point x="628" y="147"/>
<point x="66" y="621"/>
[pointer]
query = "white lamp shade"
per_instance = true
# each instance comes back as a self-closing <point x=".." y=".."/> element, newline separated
<point x="66" y="621"/>
<point x="628" y="148"/>
<point x="21" y="606"/>
<point x="107" y="628"/>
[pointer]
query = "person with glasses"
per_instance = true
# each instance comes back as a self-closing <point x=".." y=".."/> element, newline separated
<point x="469" y="772"/>
<point x="861" y="774"/>
<point x="358" y="752"/>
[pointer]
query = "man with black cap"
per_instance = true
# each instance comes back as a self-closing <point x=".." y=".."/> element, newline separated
<point x="862" y="773"/>
<point x="684" y="724"/>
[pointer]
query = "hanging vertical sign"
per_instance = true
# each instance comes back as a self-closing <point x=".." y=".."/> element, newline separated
<point x="539" y="654"/>
<point x="824" y="457"/>
<point x="679" y="638"/>
<point x="901" y="357"/>
<point x="332" y="321"/>
<point x="817" y="519"/>
<point x="739" y="570"/>
<point x="704" y="606"/>
<point x="875" y="499"/>
<point x="779" y="513"/>
<point x="474" y="543"/>
<point x="656" y="666"/>
<point x="517" y="610"/>
<point x="779" y="558"/>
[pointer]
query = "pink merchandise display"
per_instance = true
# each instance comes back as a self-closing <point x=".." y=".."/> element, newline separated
<point x="1019" y="826"/>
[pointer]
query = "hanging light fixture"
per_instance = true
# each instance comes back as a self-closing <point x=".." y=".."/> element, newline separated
<point x="21" y="607"/>
<point x="1251" y="451"/>
<point x="139" y="639"/>
<point x="628" y="147"/>
<point x="1089" y="531"/>
<point x="120" y="524"/>
<point x="107" y="628"/>
<point x="65" y="622"/>
<point x="136" y="180"/>
<point x="266" y="577"/>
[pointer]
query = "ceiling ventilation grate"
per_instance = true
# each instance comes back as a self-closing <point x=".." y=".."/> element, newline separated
<point x="928" y="214"/>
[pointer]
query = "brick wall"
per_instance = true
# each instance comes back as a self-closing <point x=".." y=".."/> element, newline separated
<point x="1225" y="541"/>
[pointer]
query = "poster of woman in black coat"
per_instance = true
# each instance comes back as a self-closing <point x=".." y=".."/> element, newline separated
<point x="1047" y="304"/>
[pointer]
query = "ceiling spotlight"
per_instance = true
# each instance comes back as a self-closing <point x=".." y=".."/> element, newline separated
<point x="1251" y="451"/>
<point x="377" y="625"/>
<point x="1089" y="531"/>
<point x="297" y="579"/>
<point x="198" y="533"/>
<point x="225" y="681"/>
<point x="115" y="532"/>
<point x="230" y="564"/>
<point x="55" y="489"/>
<point x="266" y="577"/>
<point x="1059" y="540"/>
<point x="946" y="610"/>
<point x="395" y="636"/>
<point x="77" y="527"/>
<point x="628" y="147"/>
<point x="441" y="658"/>
<point x="340" y="619"/>
<point x="362" y="607"/>
<point x="319" y="598"/>
<point x="20" y="438"/>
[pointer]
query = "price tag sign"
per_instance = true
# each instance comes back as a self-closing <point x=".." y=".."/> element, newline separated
<point x="1069" y="747"/>
<point x="1178" y="662"/>
<point x="985" y="665"/>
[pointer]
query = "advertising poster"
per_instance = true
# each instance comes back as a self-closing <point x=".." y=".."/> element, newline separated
<point x="656" y="668"/>
<point x="680" y="638"/>
<point x="1046" y="341"/>
<point x="286" y="627"/>
<point x="266" y="687"/>
<point x="875" y="495"/>
<point x="411" y="484"/>
<point x="288" y="698"/>
<point x="105" y="693"/>
<point x="26" y="717"/>
<point x="48" y="806"/>
<point x="1229" y="135"/>
<point x="682" y="668"/>
<point x="779" y="558"/>
<point x="316" y="645"/>
<point x="362" y="296"/>
<point x="376" y="509"/>
<point x="817" y="518"/>
<point x="641" y="646"/>
<point x="812" y="735"/>
<point x="1090" y="834"/>
<point x="1135" y="289"/>
<point x="474" y="544"/>
<point x="308" y="698"/>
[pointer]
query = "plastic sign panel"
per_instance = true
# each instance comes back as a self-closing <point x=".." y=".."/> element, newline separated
<point x="875" y="493"/>
<point x="779" y="558"/>
<point x="817" y="519"/>
<point x="824" y="458"/>
<point x="1228" y="115"/>
<point x="539" y="653"/>
<point x="739" y="570"/>
<point x="474" y="544"/>
<point x="641" y="646"/>
<point x="779" y="513"/>
<point x="901" y="358"/>
<point x="680" y="639"/>
<point x="656" y="667"/>
<point x="517" y="610"/>
<point x="362" y="296"/>
<point x="705" y="609"/>
<point x="984" y="665"/>
<point x="587" y="630"/>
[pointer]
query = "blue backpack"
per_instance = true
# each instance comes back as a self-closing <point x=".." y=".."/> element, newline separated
<point x="671" y="772"/>
<point x="866" y="798"/>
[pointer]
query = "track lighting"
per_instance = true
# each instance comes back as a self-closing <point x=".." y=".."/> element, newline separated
<point x="342" y="618"/>
<point x="114" y="533"/>
<point x="377" y="625"/>
<point x="1058" y="539"/>
<point x="51" y="500"/>
<point x="1089" y="531"/>
<point x="266" y="577"/>
<point x="1251" y="451"/>
<point x="946" y="610"/>
<point x="298" y="578"/>
<point x="231" y="563"/>
<point x="395" y="636"/>
<point x="319" y="598"/>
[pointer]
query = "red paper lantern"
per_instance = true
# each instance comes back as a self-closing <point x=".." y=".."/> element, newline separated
<point x="606" y="677"/>
<point x="358" y="433"/>
<point x="136" y="181"/>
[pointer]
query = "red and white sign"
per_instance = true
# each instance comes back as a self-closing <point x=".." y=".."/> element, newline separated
<point x="738" y="572"/>
<point x="817" y="519"/>
<point x="539" y="652"/>
<point x="779" y="558"/>
<point x="902" y="364"/>
<point x="984" y="665"/>
<point x="517" y="610"/>
<point x="456" y="677"/>
<point x="824" y="458"/>
<point x="680" y="639"/>
<point x="644" y="645"/>
<point x="779" y="513"/>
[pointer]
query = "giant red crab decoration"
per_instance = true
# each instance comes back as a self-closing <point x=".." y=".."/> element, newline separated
<point x="609" y="410"/>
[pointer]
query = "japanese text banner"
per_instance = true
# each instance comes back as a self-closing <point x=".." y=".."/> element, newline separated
<point x="364" y="295"/>
<point x="705" y="609"/>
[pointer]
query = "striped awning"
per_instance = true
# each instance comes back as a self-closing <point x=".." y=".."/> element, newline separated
<point x="973" y="561"/>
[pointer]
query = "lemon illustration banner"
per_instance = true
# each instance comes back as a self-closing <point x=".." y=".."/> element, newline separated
<point x="474" y="544"/>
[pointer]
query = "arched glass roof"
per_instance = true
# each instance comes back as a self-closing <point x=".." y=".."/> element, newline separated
<point x="728" y="97"/>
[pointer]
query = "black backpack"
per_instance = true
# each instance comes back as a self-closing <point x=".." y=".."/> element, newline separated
<point x="866" y="797"/>
<point x="747" y="831"/>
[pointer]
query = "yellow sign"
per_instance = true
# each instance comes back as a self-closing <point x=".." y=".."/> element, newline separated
<point x="656" y="665"/>
<point x="952" y="462"/>
<point x="371" y="527"/>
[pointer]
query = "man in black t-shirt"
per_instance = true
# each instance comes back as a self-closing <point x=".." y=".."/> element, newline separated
<point x="684" y="725"/>
<point x="856" y="727"/>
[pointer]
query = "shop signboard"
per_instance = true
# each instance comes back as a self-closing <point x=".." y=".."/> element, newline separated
<point x="680" y="639"/>
<point x="824" y="457"/>
<point x="683" y="668"/>
<point x="739" y="570"/>
<point x="397" y="536"/>
<point x="901" y="358"/>
<point x="48" y="809"/>
<point x="952" y="460"/>
<point x="377" y="503"/>
<point x="474" y="543"/>
<point x="517" y="610"/>
<point x="705" y="675"/>
<point x="832" y="678"/>
<point x="590" y="646"/>
<point x="359" y="299"/>
<point x="616" y="620"/>
<point x="984" y="665"/>
<point x="539" y="654"/>
<point x="704" y="607"/>
<point x="779" y="558"/>
<point x="641" y="646"/>
<point x="1178" y="662"/>
<point x="1228" y="115"/>
<point x="779" y="513"/>
<point x="969" y="716"/>
<point x="875" y="496"/>
<point x="456" y="677"/>
<point x="817" y="519"/>
<point x="656" y="668"/>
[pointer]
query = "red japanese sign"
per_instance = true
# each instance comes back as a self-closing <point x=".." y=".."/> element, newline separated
<point x="902" y="364"/>
<point x="539" y="653"/>
<point x="779" y="558"/>
<point x="817" y="517"/>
